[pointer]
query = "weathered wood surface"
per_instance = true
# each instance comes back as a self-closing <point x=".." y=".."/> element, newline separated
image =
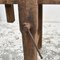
<point x="9" y="13"/>
<point x="48" y="1"/>
<point x="7" y="1"/>
<point x="28" y="13"/>
<point x="38" y="1"/>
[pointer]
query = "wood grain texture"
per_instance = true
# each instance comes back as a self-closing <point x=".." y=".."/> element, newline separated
<point x="38" y="1"/>
<point x="28" y="12"/>
<point x="7" y="1"/>
<point x="9" y="13"/>
<point x="48" y="1"/>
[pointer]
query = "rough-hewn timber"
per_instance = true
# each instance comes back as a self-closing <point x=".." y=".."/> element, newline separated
<point x="28" y="12"/>
<point x="7" y="1"/>
<point x="48" y="1"/>
<point x="9" y="13"/>
<point x="38" y="1"/>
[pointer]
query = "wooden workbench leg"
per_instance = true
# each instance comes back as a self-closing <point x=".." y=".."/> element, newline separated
<point x="10" y="12"/>
<point x="28" y="12"/>
<point x="40" y="26"/>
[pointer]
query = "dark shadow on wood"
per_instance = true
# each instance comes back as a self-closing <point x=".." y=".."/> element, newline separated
<point x="40" y="25"/>
<point x="10" y="13"/>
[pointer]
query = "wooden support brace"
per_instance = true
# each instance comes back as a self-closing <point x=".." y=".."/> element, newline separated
<point x="28" y="12"/>
<point x="9" y="13"/>
<point x="40" y="25"/>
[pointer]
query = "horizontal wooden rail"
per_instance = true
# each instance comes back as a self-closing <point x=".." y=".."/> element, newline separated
<point x="38" y="1"/>
<point x="8" y="1"/>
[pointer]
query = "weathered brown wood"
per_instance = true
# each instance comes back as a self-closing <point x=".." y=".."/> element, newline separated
<point x="9" y="13"/>
<point x="40" y="25"/>
<point x="51" y="1"/>
<point x="7" y="1"/>
<point x="28" y="12"/>
<point x="48" y="1"/>
<point x="39" y="1"/>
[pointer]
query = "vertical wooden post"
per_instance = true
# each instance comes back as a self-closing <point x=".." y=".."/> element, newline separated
<point x="40" y="25"/>
<point x="10" y="13"/>
<point x="28" y="12"/>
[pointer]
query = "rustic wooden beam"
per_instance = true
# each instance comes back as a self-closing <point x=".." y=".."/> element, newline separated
<point x="48" y="1"/>
<point x="39" y="1"/>
<point x="9" y="13"/>
<point x="40" y="25"/>
<point x="28" y="13"/>
<point x="7" y="1"/>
